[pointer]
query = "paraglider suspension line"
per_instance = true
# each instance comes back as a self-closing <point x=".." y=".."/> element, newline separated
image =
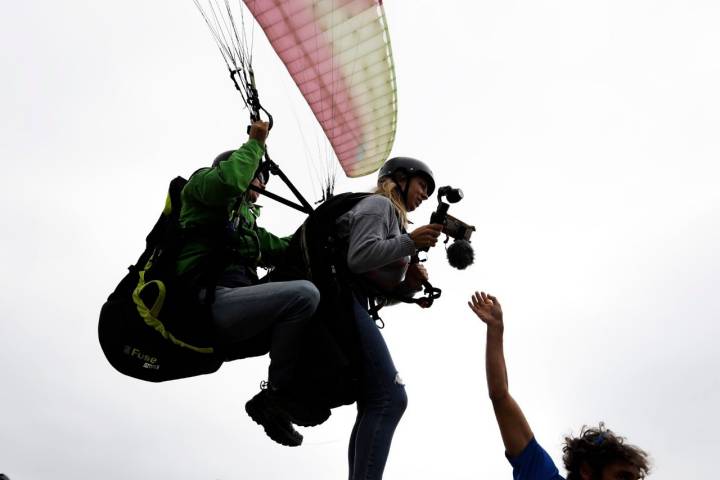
<point x="249" y="93"/>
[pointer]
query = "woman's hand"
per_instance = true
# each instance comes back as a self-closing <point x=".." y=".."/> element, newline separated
<point x="259" y="131"/>
<point x="426" y="236"/>
<point x="488" y="309"/>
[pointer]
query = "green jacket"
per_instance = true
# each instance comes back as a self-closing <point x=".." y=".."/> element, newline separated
<point x="210" y="206"/>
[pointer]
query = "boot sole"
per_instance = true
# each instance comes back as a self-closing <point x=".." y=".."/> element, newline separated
<point x="271" y="426"/>
<point x="314" y="422"/>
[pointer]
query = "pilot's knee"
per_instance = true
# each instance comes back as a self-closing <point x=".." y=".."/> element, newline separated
<point x="308" y="296"/>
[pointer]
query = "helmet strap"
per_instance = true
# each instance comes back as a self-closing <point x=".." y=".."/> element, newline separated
<point x="402" y="191"/>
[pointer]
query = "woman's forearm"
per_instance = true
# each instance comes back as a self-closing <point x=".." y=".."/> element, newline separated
<point x="370" y="252"/>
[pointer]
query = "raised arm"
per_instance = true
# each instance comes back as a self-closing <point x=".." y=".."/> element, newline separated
<point x="514" y="428"/>
<point x="231" y="178"/>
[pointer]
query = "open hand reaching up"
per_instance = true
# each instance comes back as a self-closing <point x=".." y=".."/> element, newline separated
<point x="488" y="309"/>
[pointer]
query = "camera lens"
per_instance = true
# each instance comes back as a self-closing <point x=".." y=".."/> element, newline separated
<point x="454" y="195"/>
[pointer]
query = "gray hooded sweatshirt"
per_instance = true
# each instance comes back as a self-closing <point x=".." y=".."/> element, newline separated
<point x="378" y="249"/>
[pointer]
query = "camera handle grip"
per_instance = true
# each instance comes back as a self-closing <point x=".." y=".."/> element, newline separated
<point x="416" y="257"/>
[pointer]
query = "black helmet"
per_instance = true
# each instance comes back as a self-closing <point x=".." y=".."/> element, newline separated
<point x="261" y="172"/>
<point x="410" y="167"/>
<point x="222" y="157"/>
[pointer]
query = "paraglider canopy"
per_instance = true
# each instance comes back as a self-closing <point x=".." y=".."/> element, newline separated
<point x="338" y="54"/>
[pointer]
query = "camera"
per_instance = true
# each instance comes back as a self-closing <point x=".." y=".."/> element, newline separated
<point x="460" y="254"/>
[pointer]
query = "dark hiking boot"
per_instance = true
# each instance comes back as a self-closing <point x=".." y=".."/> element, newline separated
<point x="274" y="421"/>
<point x="302" y="413"/>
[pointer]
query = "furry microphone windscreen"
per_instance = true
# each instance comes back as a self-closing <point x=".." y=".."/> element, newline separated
<point x="460" y="254"/>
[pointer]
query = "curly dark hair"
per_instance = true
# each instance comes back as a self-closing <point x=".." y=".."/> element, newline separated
<point x="598" y="447"/>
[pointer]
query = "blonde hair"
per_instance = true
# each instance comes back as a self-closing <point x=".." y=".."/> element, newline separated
<point x="387" y="187"/>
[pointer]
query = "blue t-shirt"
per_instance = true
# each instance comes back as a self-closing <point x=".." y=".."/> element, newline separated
<point x="534" y="463"/>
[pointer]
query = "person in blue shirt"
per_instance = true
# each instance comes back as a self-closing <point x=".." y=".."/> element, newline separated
<point x="595" y="454"/>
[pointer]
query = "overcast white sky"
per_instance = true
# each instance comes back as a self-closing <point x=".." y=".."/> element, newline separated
<point x="584" y="134"/>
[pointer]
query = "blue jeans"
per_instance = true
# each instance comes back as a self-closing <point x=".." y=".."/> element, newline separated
<point x="380" y="405"/>
<point x="280" y="309"/>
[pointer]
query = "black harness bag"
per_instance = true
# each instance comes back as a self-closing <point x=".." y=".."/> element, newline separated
<point x="153" y="327"/>
<point x="151" y="352"/>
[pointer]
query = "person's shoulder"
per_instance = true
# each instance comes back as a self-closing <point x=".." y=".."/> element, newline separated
<point x="534" y="463"/>
<point x="373" y="208"/>
<point x="198" y="174"/>
<point x="374" y="204"/>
